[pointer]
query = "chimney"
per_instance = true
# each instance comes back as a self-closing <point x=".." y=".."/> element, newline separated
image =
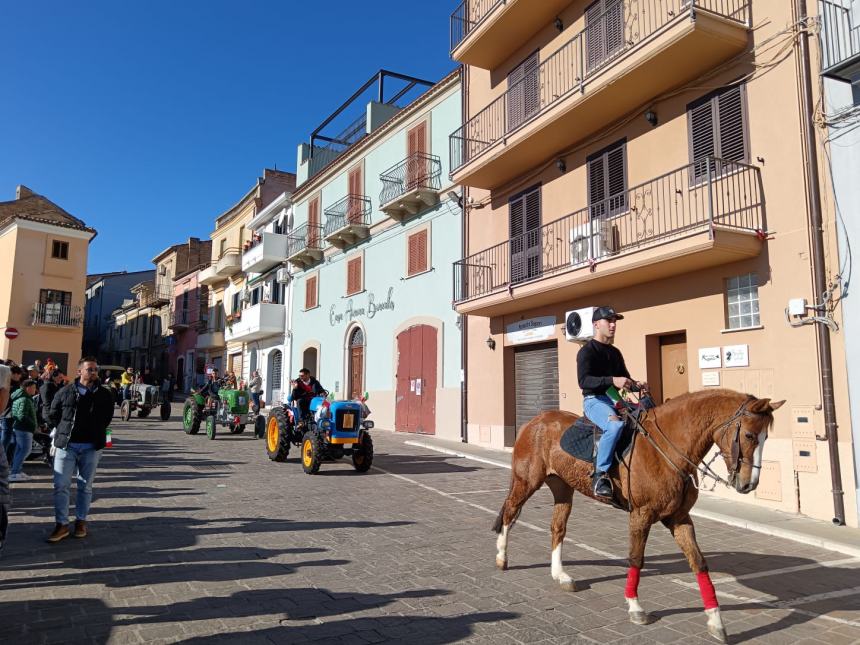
<point x="21" y="191"/>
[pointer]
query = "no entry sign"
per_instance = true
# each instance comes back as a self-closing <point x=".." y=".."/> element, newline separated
<point x="11" y="332"/>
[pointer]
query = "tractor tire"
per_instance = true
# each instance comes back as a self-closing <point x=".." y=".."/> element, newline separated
<point x="311" y="452"/>
<point x="191" y="417"/>
<point x="259" y="427"/>
<point x="277" y="435"/>
<point x="210" y="427"/>
<point x="125" y="410"/>
<point x="240" y="428"/>
<point x="165" y="411"/>
<point x="234" y="429"/>
<point x="362" y="457"/>
<point x="142" y="413"/>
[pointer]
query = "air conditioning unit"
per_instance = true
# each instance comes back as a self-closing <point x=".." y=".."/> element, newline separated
<point x="578" y="326"/>
<point x="283" y="276"/>
<point x="592" y="241"/>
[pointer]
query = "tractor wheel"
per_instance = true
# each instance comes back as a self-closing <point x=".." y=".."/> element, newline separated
<point x="311" y="452"/>
<point x="259" y="427"/>
<point x="165" y="411"/>
<point x="191" y="417"/>
<point x="277" y="435"/>
<point x="362" y="457"/>
<point x="125" y="411"/>
<point x="210" y="426"/>
<point x="142" y="413"/>
<point x="240" y="428"/>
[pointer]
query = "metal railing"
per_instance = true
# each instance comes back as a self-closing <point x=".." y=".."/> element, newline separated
<point x="184" y="317"/>
<point x="418" y="171"/>
<point x="306" y="236"/>
<point x="469" y="15"/>
<point x="617" y="32"/>
<point x="675" y="205"/>
<point x="351" y="210"/>
<point x="50" y="313"/>
<point x="159" y="294"/>
<point x="840" y="37"/>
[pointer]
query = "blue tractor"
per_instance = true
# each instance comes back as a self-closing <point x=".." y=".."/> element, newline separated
<point x="329" y="431"/>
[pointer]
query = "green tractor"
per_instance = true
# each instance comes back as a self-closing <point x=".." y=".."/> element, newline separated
<point x="229" y="408"/>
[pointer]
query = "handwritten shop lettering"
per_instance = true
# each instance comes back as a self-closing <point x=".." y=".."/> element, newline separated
<point x="351" y="311"/>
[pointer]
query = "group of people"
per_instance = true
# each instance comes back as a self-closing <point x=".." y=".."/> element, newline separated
<point x="75" y="414"/>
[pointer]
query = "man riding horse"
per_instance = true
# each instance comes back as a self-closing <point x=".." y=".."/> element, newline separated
<point x="599" y="366"/>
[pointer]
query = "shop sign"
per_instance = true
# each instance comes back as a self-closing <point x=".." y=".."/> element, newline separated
<point x="710" y="357"/>
<point x="531" y="330"/>
<point x="736" y="356"/>
<point x="710" y="378"/>
<point x="370" y="309"/>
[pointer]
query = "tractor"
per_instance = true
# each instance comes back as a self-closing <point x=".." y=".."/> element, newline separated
<point x="230" y="408"/>
<point x="144" y="398"/>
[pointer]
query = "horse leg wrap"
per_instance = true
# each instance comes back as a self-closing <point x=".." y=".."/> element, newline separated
<point x="632" y="588"/>
<point x="706" y="588"/>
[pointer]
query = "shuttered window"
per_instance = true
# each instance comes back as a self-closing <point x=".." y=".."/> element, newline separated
<point x="311" y="292"/>
<point x="607" y="181"/>
<point x="525" y="222"/>
<point x="417" y="167"/>
<point x="523" y="93"/>
<point x="355" y="182"/>
<point x="417" y="262"/>
<point x="313" y="223"/>
<point x="604" y="33"/>
<point x="717" y="128"/>
<point x="353" y="276"/>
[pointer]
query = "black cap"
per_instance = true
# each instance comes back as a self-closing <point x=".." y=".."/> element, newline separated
<point x="605" y="313"/>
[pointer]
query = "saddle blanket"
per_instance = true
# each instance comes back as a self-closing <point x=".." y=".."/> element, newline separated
<point x="580" y="440"/>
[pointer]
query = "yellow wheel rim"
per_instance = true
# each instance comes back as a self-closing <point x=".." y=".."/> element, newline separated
<point x="272" y="434"/>
<point x="307" y="453"/>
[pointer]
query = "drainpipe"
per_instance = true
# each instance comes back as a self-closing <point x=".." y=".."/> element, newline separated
<point x="813" y="187"/>
<point x="464" y="319"/>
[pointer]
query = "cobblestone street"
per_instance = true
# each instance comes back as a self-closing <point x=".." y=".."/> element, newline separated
<point x="197" y="541"/>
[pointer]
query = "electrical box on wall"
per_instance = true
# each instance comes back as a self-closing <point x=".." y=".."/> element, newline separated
<point x="797" y="307"/>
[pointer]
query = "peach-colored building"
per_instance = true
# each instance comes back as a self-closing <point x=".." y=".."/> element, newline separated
<point x="43" y="265"/>
<point x="648" y="156"/>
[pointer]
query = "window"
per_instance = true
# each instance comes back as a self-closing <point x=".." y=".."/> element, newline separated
<point x="222" y="247"/>
<point x="607" y="181"/>
<point x="525" y="221"/>
<point x="314" y="223"/>
<point x="60" y="250"/>
<point x="185" y="300"/>
<point x="255" y="295"/>
<point x="353" y="276"/>
<point x="604" y="33"/>
<point x="523" y="94"/>
<point x="311" y="292"/>
<point x="235" y="303"/>
<point x="417" y="251"/>
<point x="355" y="180"/>
<point x="742" y="301"/>
<point x="417" y="168"/>
<point x="717" y="128"/>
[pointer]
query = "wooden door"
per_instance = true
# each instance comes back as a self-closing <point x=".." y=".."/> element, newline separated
<point x="402" y="394"/>
<point x="673" y="365"/>
<point x="314" y="223"/>
<point x="356" y="192"/>
<point x="356" y="364"/>
<point x="415" y="407"/>
<point x="416" y="164"/>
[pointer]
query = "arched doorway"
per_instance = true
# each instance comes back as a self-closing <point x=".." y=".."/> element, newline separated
<point x="355" y="347"/>
<point x="273" y="389"/>
<point x="309" y="360"/>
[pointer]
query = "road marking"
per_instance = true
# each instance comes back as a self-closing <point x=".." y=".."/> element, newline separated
<point x="776" y="572"/>
<point x="475" y="492"/>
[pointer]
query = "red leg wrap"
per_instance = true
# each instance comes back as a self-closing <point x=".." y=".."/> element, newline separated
<point x="632" y="588"/>
<point x="706" y="588"/>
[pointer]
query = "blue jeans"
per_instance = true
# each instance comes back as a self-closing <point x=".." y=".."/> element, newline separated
<point x="599" y="409"/>
<point x="255" y="398"/>
<point x="23" y="445"/>
<point x="7" y="437"/>
<point x="85" y="458"/>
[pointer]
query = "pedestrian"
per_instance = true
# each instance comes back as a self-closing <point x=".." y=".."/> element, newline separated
<point x="256" y="387"/>
<point x="5" y="495"/>
<point x="81" y="412"/>
<point x="7" y="436"/>
<point x="126" y="382"/>
<point x="23" y="425"/>
<point x="47" y="393"/>
<point x="167" y="388"/>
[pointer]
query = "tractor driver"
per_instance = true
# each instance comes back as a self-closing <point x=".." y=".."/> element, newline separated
<point x="599" y="366"/>
<point x="212" y="385"/>
<point x="305" y="388"/>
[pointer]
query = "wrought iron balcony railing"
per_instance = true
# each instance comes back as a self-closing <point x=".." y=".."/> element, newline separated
<point x="840" y="39"/>
<point x="566" y="71"/>
<point x="469" y="15"/>
<point x="352" y="210"/>
<point x="690" y="200"/>
<point x="418" y="171"/>
<point x="306" y="236"/>
<point x="49" y="313"/>
<point x="160" y="294"/>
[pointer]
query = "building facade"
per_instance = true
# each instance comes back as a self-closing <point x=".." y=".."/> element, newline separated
<point x="619" y="153"/>
<point x="188" y="315"/>
<point x="371" y="246"/>
<point x="43" y="251"/>
<point x="104" y="294"/>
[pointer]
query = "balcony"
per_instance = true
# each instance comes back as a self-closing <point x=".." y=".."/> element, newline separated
<point x="840" y="41"/>
<point x="183" y="318"/>
<point x="485" y="32"/>
<point x="160" y="295"/>
<point x="264" y="253"/>
<point x="304" y="246"/>
<point x="229" y="264"/>
<point x="209" y="276"/>
<point x="347" y="221"/>
<point x="633" y="52"/>
<point x="701" y="215"/>
<point x="210" y="339"/>
<point x="411" y="186"/>
<point x="56" y="315"/>
<point x="258" y="321"/>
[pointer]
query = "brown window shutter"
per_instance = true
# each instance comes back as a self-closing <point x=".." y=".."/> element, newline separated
<point x="313" y="222"/>
<point x="353" y="276"/>
<point x="418" y="261"/>
<point x="311" y="292"/>
<point x="731" y="131"/>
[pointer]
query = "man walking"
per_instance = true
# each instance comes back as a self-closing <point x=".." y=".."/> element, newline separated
<point x="81" y="412"/>
<point x="23" y="425"/>
<point x="7" y="436"/>
<point x="5" y="495"/>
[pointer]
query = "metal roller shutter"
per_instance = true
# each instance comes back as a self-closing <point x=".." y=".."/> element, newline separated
<point x="275" y="376"/>
<point x="536" y="384"/>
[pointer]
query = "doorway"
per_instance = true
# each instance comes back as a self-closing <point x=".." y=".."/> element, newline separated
<point x="180" y="372"/>
<point x="309" y="360"/>
<point x="668" y="368"/>
<point x="536" y="378"/>
<point x="356" y="363"/>
<point x="415" y="402"/>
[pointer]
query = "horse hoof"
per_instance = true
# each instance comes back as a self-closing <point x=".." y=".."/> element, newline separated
<point x="567" y="585"/>
<point x="501" y="564"/>
<point x="719" y="633"/>
<point x="640" y="618"/>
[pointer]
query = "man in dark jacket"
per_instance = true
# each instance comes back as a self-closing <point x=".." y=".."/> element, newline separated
<point x="305" y="389"/>
<point x="81" y="411"/>
<point x="48" y="391"/>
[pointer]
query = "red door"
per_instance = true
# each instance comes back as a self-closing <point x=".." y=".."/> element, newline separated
<point x="415" y="408"/>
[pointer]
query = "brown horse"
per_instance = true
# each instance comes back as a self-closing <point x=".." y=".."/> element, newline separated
<point x="659" y="485"/>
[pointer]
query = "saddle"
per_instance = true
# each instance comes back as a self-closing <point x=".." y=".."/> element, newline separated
<point x="581" y="439"/>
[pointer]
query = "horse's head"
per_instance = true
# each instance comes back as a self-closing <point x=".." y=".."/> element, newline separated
<point x="741" y="442"/>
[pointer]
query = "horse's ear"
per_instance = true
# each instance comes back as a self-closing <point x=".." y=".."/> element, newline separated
<point x="764" y="406"/>
<point x="776" y="405"/>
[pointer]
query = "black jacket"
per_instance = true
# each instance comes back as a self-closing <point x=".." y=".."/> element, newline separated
<point x="299" y="391"/>
<point x="47" y="393"/>
<point x="87" y="417"/>
<point x="596" y="364"/>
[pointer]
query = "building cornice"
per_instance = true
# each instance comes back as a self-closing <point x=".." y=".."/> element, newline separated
<point x="44" y="227"/>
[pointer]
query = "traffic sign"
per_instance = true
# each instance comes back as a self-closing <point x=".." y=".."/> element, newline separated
<point x="11" y="332"/>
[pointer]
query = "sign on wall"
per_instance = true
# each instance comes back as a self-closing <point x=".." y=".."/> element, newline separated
<point x="736" y="356"/>
<point x="710" y="357"/>
<point x="710" y="378"/>
<point x="351" y="311"/>
<point x="531" y="330"/>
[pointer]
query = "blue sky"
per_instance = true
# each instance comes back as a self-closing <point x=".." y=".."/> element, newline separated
<point x="148" y="119"/>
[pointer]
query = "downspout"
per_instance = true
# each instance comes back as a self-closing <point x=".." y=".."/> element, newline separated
<point x="819" y="283"/>
<point x="464" y="319"/>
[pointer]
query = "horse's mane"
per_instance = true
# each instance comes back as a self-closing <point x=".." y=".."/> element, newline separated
<point x="700" y="398"/>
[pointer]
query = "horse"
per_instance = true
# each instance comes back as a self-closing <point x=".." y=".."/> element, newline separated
<point x="657" y="482"/>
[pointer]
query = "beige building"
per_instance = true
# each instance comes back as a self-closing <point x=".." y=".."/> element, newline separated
<point x="43" y="264"/>
<point x="648" y="156"/>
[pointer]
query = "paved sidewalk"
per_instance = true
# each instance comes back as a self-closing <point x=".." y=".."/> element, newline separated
<point x="208" y="541"/>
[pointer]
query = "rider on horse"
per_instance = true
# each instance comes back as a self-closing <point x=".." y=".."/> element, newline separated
<point x="600" y="366"/>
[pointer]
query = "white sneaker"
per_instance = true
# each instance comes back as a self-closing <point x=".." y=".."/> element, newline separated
<point x="24" y="477"/>
<point x="16" y="477"/>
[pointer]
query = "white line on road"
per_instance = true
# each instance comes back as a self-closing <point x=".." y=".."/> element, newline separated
<point x="776" y="572"/>
<point x="475" y="492"/>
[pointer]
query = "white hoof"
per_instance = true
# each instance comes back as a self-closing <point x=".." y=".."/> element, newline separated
<point x="715" y="625"/>
<point x="566" y="582"/>
<point x="501" y="564"/>
<point x="638" y="616"/>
